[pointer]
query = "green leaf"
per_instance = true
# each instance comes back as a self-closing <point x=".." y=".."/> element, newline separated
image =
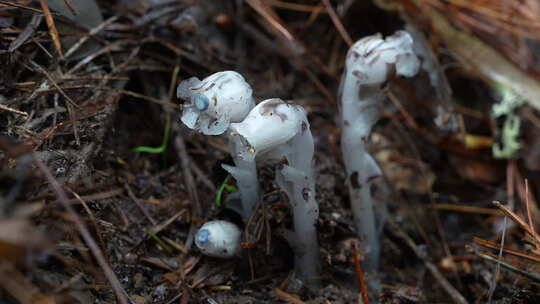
<point x="152" y="150"/>
<point x="164" y="142"/>
<point x="224" y="186"/>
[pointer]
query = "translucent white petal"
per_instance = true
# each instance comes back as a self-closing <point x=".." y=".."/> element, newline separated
<point x="190" y="115"/>
<point x="209" y="126"/>
<point x="184" y="88"/>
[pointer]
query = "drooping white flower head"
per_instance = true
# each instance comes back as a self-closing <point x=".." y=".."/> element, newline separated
<point x="219" y="239"/>
<point x="270" y="124"/>
<point x="373" y="59"/>
<point x="216" y="101"/>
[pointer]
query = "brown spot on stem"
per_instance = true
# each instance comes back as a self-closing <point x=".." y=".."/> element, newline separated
<point x="391" y="70"/>
<point x="305" y="194"/>
<point x="353" y="179"/>
<point x="371" y="178"/>
<point x="354" y="54"/>
<point x="359" y="75"/>
<point x="367" y="91"/>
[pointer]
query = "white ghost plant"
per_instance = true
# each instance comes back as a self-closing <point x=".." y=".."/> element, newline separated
<point x="216" y="101"/>
<point x="211" y="105"/>
<point x="370" y="64"/>
<point x="275" y="131"/>
<point x="272" y="130"/>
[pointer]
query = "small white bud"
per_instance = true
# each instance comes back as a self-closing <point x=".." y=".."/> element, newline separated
<point x="219" y="239"/>
<point x="270" y="124"/>
<point x="216" y="101"/>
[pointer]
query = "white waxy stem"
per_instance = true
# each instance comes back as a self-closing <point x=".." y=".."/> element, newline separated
<point x="216" y="101"/>
<point x="270" y="124"/>
<point x="276" y="130"/>
<point x="371" y="63"/>
<point x="219" y="239"/>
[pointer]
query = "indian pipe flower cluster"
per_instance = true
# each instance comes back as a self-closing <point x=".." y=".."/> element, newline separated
<point x="274" y="129"/>
<point x="271" y="131"/>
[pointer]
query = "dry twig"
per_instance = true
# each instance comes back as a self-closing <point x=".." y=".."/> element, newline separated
<point x="287" y="297"/>
<point x="360" y="274"/>
<point x="52" y="27"/>
<point x="8" y="109"/>
<point x="100" y="258"/>
<point x="337" y="23"/>
<point x="196" y="211"/>
<point x="454" y="294"/>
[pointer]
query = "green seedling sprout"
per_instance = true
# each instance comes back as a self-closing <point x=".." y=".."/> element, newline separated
<point x="510" y="101"/>
<point x="164" y="142"/>
<point x="224" y="186"/>
<point x="509" y="144"/>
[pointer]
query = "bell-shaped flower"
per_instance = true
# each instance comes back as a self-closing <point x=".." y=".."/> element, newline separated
<point x="270" y="124"/>
<point x="373" y="59"/>
<point x="216" y="101"/>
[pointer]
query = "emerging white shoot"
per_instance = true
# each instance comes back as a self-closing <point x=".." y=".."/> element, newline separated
<point x="219" y="239"/>
<point x="277" y="131"/>
<point x="371" y="63"/>
<point x="216" y="101"/>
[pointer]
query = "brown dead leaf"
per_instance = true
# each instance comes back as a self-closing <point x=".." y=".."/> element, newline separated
<point x="404" y="173"/>
<point x="18" y="236"/>
<point x="19" y="287"/>
<point x="479" y="171"/>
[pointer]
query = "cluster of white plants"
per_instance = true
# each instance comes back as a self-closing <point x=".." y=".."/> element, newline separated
<point x="274" y="130"/>
<point x="269" y="132"/>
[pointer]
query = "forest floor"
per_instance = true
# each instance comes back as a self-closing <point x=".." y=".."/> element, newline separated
<point x="102" y="188"/>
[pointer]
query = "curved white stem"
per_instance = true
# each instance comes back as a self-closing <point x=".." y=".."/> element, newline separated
<point x="245" y="174"/>
<point x="371" y="63"/>
<point x="297" y="181"/>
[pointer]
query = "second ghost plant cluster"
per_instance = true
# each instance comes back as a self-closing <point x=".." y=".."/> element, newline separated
<point x="271" y="131"/>
<point x="274" y="130"/>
